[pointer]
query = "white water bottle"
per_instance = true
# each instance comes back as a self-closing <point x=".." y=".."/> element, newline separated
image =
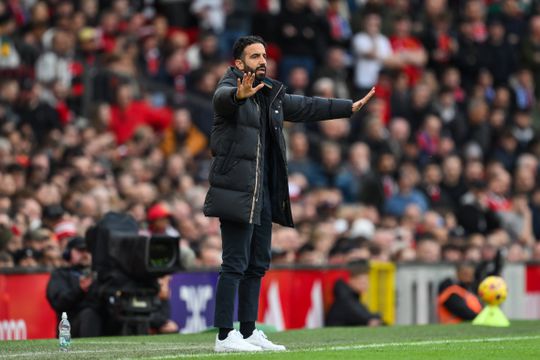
<point x="64" y="333"/>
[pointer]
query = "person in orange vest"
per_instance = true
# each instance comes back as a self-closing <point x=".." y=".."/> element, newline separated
<point x="457" y="301"/>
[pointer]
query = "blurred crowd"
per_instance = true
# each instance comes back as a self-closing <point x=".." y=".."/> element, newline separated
<point x="107" y="106"/>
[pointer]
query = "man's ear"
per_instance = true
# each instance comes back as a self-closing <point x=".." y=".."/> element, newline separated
<point x="239" y="64"/>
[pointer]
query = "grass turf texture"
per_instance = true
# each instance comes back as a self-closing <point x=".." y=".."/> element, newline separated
<point x="519" y="341"/>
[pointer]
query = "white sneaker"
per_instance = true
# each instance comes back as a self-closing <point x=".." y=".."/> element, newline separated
<point x="258" y="338"/>
<point x="234" y="342"/>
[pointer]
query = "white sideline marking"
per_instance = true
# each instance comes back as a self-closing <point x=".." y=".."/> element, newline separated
<point x="180" y="347"/>
<point x="145" y="346"/>
<point x="354" y="347"/>
<point x="115" y="343"/>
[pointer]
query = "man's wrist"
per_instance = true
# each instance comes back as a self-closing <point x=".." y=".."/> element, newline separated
<point x="236" y="97"/>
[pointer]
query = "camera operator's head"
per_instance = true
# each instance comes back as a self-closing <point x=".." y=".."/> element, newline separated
<point x="76" y="252"/>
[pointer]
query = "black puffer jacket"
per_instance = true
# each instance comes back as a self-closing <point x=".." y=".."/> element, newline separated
<point x="236" y="172"/>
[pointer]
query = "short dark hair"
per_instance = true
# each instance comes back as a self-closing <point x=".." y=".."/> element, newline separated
<point x="243" y="42"/>
<point x="358" y="267"/>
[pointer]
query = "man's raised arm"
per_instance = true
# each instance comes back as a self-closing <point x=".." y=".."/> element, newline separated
<point x="305" y="109"/>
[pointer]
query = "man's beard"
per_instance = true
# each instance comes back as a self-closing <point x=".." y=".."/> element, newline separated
<point x="258" y="76"/>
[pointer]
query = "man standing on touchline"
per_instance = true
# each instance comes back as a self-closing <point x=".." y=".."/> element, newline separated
<point x="248" y="182"/>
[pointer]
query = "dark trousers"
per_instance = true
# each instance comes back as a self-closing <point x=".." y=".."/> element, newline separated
<point x="246" y="257"/>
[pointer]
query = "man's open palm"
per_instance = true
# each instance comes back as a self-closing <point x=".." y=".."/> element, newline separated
<point x="363" y="101"/>
<point x="245" y="86"/>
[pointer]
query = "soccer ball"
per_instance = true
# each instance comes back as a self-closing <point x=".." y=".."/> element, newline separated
<point x="492" y="290"/>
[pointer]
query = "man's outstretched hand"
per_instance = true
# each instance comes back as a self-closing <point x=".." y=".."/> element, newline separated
<point x="363" y="101"/>
<point x="245" y="87"/>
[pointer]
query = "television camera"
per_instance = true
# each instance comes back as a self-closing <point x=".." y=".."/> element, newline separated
<point x="128" y="265"/>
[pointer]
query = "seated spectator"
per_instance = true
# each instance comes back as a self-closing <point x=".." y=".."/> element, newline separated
<point x="428" y="139"/>
<point x="70" y="290"/>
<point x="27" y="257"/>
<point x="451" y="253"/>
<point x="327" y="172"/>
<point x="183" y="136"/>
<point x="358" y="169"/>
<point x="457" y="300"/>
<point x="407" y="194"/>
<point x="300" y="161"/>
<point x="308" y="255"/>
<point x="473" y="214"/>
<point x="432" y="189"/>
<point x="209" y="251"/>
<point x="347" y="310"/>
<point x="127" y="115"/>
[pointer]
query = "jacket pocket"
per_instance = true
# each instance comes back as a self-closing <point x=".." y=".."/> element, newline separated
<point x="229" y="162"/>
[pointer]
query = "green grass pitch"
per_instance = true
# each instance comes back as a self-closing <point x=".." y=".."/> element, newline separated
<point x="464" y="342"/>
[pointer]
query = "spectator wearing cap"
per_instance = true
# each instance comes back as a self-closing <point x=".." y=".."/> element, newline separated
<point x="159" y="220"/>
<point x="89" y="44"/>
<point x="70" y="289"/>
<point x="362" y="228"/>
<point x="64" y="230"/>
<point x="38" y="239"/>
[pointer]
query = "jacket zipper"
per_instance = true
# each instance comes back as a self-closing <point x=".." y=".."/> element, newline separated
<point x="257" y="170"/>
<point x="279" y="90"/>
<point x="255" y="188"/>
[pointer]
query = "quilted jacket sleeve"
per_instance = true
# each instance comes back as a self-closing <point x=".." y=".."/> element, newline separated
<point x="299" y="108"/>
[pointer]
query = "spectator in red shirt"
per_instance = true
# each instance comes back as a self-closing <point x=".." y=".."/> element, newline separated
<point x="127" y="115"/>
<point x="408" y="49"/>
